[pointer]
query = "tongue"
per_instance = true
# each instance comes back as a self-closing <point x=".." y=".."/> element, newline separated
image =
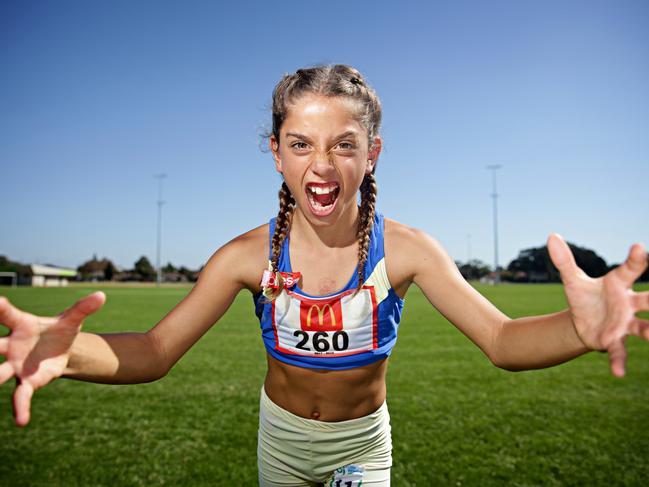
<point x="325" y="199"/>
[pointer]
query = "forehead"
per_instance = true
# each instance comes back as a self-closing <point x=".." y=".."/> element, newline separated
<point x="322" y="114"/>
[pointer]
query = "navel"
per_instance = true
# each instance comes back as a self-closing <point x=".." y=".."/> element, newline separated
<point x="315" y="414"/>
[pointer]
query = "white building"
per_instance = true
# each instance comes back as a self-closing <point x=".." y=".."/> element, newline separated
<point x="47" y="276"/>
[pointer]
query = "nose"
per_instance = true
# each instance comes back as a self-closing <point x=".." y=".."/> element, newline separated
<point x="322" y="162"/>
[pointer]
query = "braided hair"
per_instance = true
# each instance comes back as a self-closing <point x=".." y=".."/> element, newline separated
<point x="282" y="224"/>
<point x="365" y="222"/>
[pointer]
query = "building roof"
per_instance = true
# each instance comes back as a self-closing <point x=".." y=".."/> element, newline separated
<point x="44" y="270"/>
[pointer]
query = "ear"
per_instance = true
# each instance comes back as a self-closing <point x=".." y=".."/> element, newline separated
<point x="373" y="154"/>
<point x="273" y="143"/>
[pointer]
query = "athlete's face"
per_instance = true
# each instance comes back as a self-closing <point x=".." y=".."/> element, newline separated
<point x="323" y="155"/>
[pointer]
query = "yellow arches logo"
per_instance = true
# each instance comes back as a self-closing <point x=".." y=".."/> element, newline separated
<point x="321" y="315"/>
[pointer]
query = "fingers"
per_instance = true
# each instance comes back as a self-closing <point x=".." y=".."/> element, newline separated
<point x="4" y="345"/>
<point x="634" y="265"/>
<point x="617" y="351"/>
<point x="6" y="372"/>
<point x="22" y="402"/>
<point x="76" y="313"/>
<point x="9" y="314"/>
<point x="562" y="258"/>
<point x="640" y="328"/>
<point x="617" y="357"/>
<point x="640" y="301"/>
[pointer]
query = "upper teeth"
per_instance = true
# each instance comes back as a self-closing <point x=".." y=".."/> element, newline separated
<point x="322" y="189"/>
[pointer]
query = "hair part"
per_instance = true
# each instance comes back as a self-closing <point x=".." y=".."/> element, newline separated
<point x="331" y="80"/>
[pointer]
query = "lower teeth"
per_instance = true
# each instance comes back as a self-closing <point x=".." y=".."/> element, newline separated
<point x="317" y="205"/>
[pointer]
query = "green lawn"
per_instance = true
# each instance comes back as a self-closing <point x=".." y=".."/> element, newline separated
<point x="456" y="419"/>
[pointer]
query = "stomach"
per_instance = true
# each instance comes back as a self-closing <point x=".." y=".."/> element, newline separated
<point x="326" y="395"/>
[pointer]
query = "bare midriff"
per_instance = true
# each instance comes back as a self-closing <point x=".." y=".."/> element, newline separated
<point x="326" y="395"/>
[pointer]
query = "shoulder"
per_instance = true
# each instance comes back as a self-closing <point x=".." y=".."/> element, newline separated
<point x="409" y="250"/>
<point x="410" y="239"/>
<point x="244" y="258"/>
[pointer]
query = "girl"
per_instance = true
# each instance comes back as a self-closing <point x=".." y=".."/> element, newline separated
<point x="328" y="277"/>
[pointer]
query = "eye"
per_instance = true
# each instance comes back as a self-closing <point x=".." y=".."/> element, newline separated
<point x="345" y="146"/>
<point x="299" y="145"/>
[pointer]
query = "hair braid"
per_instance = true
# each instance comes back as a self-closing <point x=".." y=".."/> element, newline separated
<point x="282" y="223"/>
<point x="365" y="222"/>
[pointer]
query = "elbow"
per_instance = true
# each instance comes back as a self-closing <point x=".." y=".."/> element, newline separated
<point x="498" y="356"/>
<point x="160" y="365"/>
<point x="496" y="360"/>
<point x="508" y="362"/>
<point x="506" y="365"/>
<point x="158" y="372"/>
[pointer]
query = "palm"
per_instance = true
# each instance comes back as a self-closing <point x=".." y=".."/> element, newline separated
<point x="38" y="348"/>
<point x="603" y="309"/>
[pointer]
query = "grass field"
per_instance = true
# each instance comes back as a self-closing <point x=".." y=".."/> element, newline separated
<point x="456" y="419"/>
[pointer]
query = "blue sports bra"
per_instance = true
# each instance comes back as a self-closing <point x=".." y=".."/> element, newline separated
<point x="337" y="331"/>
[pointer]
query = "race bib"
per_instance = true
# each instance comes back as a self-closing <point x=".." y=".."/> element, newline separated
<point x="347" y="476"/>
<point x="339" y="325"/>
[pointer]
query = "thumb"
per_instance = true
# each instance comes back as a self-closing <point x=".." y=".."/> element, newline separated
<point x="84" y="308"/>
<point x="562" y="257"/>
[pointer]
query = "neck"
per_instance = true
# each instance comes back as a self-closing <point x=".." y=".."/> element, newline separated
<point x="342" y="233"/>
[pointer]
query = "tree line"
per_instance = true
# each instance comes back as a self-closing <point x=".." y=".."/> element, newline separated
<point x="104" y="270"/>
<point x="531" y="265"/>
<point x="534" y="265"/>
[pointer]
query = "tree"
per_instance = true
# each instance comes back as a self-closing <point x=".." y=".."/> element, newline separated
<point x="534" y="264"/>
<point x="169" y="268"/>
<point x="7" y="265"/>
<point x="474" y="269"/>
<point x="188" y="273"/>
<point x="144" y="268"/>
<point x="97" y="270"/>
<point x="109" y="271"/>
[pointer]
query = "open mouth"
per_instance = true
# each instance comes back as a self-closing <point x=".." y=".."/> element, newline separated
<point x="322" y="197"/>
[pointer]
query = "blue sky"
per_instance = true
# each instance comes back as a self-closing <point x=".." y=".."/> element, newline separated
<point x="97" y="97"/>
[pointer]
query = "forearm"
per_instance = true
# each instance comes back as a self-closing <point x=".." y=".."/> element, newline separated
<point x="122" y="358"/>
<point x="536" y="342"/>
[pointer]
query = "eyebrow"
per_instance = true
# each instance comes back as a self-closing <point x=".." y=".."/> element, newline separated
<point x="297" y="135"/>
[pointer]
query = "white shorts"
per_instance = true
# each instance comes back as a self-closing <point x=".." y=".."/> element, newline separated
<point x="295" y="451"/>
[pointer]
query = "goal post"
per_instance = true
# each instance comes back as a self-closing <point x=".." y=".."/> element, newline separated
<point x="12" y="275"/>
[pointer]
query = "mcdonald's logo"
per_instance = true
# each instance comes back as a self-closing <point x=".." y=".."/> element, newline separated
<point x="321" y="313"/>
<point x="315" y="316"/>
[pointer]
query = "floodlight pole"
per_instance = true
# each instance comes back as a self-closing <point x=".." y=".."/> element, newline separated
<point x="494" y="195"/>
<point x="159" y="177"/>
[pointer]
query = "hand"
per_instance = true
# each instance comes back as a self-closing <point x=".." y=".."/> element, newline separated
<point x="38" y="348"/>
<point x="603" y="309"/>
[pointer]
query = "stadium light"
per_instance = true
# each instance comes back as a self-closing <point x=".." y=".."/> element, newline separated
<point x="493" y="168"/>
<point x="159" y="177"/>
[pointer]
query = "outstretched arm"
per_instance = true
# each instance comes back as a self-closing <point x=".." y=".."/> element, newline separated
<point x="128" y="358"/>
<point x="602" y="311"/>
<point x="601" y="315"/>
<point x="40" y="349"/>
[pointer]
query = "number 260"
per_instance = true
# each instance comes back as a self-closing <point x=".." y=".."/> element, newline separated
<point x="321" y="342"/>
